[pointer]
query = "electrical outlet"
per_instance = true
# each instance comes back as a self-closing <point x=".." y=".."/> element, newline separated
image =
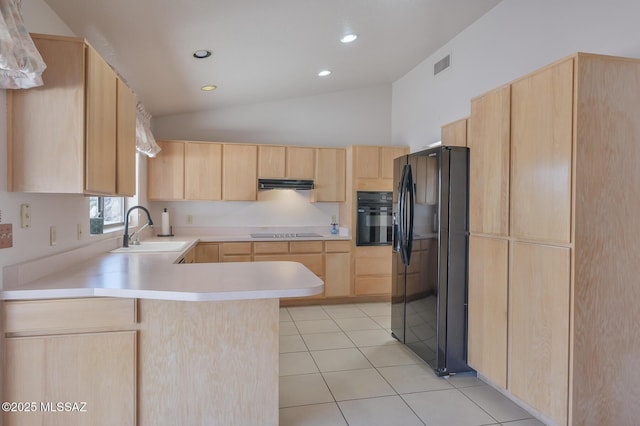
<point x="6" y="236"/>
<point x="52" y="236"/>
<point x="189" y="219"/>
<point x="79" y="231"/>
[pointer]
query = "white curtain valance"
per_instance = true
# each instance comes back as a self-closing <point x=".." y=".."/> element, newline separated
<point x="145" y="142"/>
<point x="21" y="65"/>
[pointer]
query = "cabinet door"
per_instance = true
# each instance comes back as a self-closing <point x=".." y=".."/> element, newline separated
<point x="372" y="272"/>
<point x="100" y="143"/>
<point x="236" y="252"/>
<point x="541" y="154"/>
<point x="300" y="162"/>
<point x="539" y="292"/>
<point x="126" y="141"/>
<point x="207" y="253"/>
<point x="337" y="274"/>
<point x="165" y="172"/>
<point x="96" y="368"/>
<point x="489" y="142"/>
<point x="53" y="113"/>
<point x="488" y="285"/>
<point x="330" y="178"/>
<point x="454" y="134"/>
<point x="239" y="172"/>
<point x="367" y="162"/>
<point x="202" y="171"/>
<point x="271" y="161"/>
<point x="387" y="155"/>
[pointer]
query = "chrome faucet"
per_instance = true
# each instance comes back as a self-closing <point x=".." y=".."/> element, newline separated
<point x="126" y="239"/>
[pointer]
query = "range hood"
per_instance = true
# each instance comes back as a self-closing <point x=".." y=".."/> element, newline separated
<point x="303" y="184"/>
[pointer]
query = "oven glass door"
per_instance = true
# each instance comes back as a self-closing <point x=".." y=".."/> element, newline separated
<point x="374" y="226"/>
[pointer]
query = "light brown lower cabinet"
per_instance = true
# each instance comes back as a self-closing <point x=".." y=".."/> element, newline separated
<point x="488" y="286"/>
<point x="52" y="356"/>
<point x="539" y="293"/>
<point x="329" y="260"/>
<point x="94" y="373"/>
<point x="206" y="252"/>
<point x="337" y="268"/>
<point x="236" y="252"/>
<point x="372" y="270"/>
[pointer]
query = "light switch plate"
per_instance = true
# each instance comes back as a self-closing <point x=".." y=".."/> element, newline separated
<point x="6" y="235"/>
<point x="25" y="215"/>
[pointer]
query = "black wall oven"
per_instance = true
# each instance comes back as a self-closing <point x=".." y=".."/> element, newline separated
<point x="373" y="221"/>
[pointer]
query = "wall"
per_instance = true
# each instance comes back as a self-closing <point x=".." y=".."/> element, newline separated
<point x="513" y="39"/>
<point x="361" y="116"/>
<point x="62" y="211"/>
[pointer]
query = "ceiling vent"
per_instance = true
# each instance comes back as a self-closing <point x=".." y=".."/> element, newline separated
<point x="442" y="64"/>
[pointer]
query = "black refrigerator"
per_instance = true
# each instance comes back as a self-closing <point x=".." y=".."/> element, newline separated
<point x="430" y="250"/>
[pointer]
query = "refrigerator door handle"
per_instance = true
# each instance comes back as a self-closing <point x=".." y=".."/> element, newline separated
<point x="405" y="225"/>
<point x="395" y="234"/>
<point x="402" y="205"/>
<point x="411" y="192"/>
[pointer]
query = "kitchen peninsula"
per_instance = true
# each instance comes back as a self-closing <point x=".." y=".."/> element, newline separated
<point x="142" y="339"/>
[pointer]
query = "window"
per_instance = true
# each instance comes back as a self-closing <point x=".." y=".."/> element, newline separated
<point x="105" y="212"/>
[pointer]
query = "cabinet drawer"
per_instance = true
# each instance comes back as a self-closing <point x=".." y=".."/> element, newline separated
<point x="373" y="285"/>
<point x="236" y="248"/>
<point x="237" y="258"/>
<point x="373" y="251"/>
<point x="337" y="246"/>
<point x="305" y="247"/>
<point x="267" y="247"/>
<point x="373" y="265"/>
<point x="55" y="316"/>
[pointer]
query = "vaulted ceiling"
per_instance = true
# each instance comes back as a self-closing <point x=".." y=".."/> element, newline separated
<point x="262" y="50"/>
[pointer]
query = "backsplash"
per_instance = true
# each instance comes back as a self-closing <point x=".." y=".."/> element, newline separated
<point x="273" y="208"/>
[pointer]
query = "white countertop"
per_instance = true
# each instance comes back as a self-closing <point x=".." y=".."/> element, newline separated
<point x="157" y="276"/>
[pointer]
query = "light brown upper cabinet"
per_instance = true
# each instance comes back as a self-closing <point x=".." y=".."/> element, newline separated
<point x="285" y="162"/>
<point x="367" y="162"/>
<point x="330" y="179"/>
<point x="489" y="142"/>
<point x="272" y="161"/>
<point x="387" y="155"/>
<point x="300" y="162"/>
<point x="203" y="171"/>
<point x="126" y="141"/>
<point x="541" y="154"/>
<point x="239" y="172"/>
<point x="165" y="172"/>
<point x="454" y="133"/>
<point x="373" y="166"/>
<point x="68" y="135"/>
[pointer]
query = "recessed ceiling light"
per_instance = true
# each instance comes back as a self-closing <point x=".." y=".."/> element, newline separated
<point x="324" y="73"/>
<point x="201" y="54"/>
<point x="209" y="87"/>
<point x="349" y="38"/>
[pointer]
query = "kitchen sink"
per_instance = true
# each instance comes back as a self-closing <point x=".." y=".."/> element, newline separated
<point x="152" y="246"/>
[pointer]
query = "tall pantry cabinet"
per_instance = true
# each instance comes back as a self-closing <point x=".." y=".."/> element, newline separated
<point x="554" y="251"/>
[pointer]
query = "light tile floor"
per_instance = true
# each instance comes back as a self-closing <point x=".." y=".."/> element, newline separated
<point x="339" y="365"/>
